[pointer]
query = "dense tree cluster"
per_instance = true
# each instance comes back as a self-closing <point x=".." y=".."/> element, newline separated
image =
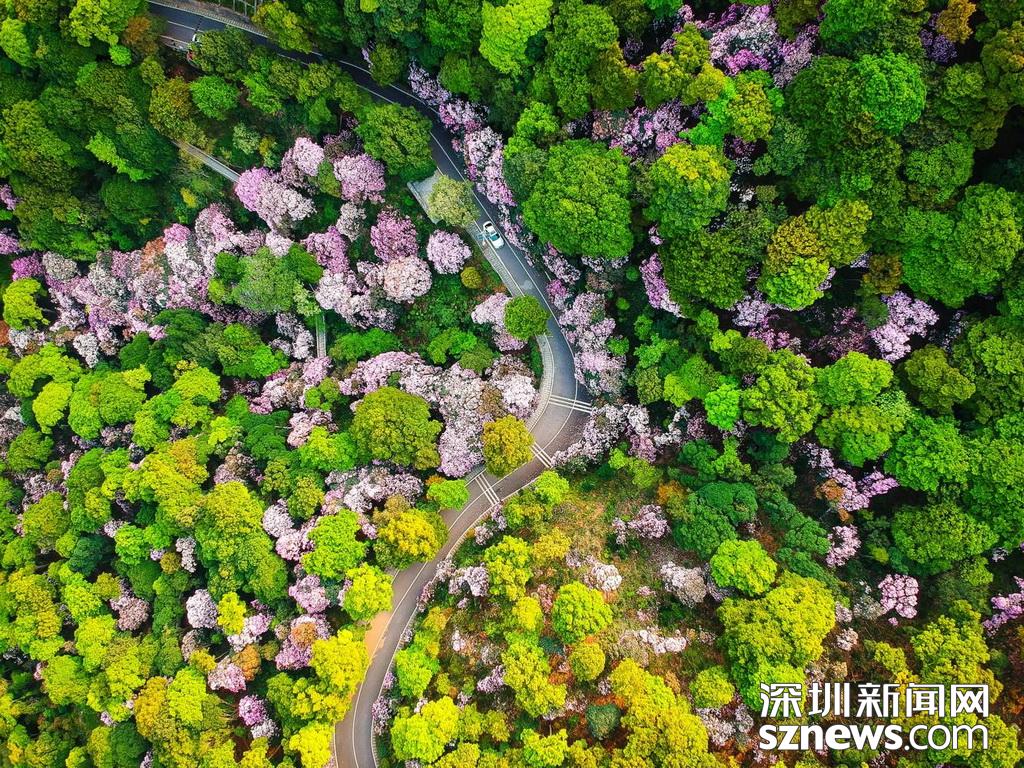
<point x="783" y="239"/>
<point x="199" y="512"/>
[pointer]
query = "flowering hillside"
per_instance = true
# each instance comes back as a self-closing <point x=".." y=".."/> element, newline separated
<point x="746" y="415"/>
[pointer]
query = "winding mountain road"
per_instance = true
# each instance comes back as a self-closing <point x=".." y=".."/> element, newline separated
<point x="563" y="403"/>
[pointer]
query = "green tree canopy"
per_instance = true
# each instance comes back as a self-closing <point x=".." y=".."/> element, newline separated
<point x="580" y="204"/>
<point x="783" y="397"/>
<point x="525" y="317"/>
<point x="689" y="187"/>
<point x="507" y="444"/>
<point x="400" y="138"/>
<point x="579" y="612"/>
<point x="336" y="550"/>
<point x="392" y="425"/>
<point x="452" y="202"/>
<point x="507" y="29"/>
<point x="773" y="637"/>
<point x="936" y="536"/>
<point x="744" y="565"/>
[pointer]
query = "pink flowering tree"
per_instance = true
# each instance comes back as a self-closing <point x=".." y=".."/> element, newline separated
<point x="447" y="252"/>
<point x="265" y="194"/>
<point x="899" y="594"/>
<point x="361" y="178"/>
<point x="491" y="311"/>
<point x="907" y="318"/>
<point x="657" y="289"/>
<point x="393" y="236"/>
<point x="588" y="330"/>
<point x="1006" y="608"/>
<point x="405" y="279"/>
<point x="301" y="161"/>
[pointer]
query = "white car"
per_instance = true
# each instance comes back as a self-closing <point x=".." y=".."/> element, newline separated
<point x="492" y="235"/>
<point x="190" y="48"/>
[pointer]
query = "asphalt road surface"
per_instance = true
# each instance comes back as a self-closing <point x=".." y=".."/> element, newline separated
<point x="561" y="411"/>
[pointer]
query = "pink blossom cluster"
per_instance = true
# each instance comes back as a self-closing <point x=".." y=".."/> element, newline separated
<point x="447" y="252"/>
<point x="9" y="244"/>
<point x="297" y="342"/>
<point x="843" y="545"/>
<point x="301" y="161"/>
<point x="186" y="548"/>
<point x="361" y="178"/>
<point x="309" y="594"/>
<point x="1006" y="608"/>
<point x="457" y="115"/>
<point x="201" y="610"/>
<point x="687" y="585"/>
<point x="647" y="523"/>
<point x="216" y="232"/>
<point x="603" y="576"/>
<point x="560" y="267"/>
<point x="7" y="198"/>
<point x="120" y="292"/>
<point x="132" y="612"/>
<point x="855" y="494"/>
<point x="656" y="287"/>
<point x="746" y="37"/>
<point x="458" y="394"/>
<point x="252" y="710"/>
<point x="907" y="317"/>
<point x="88" y="348"/>
<point x="484" y="151"/>
<point x="514" y="380"/>
<point x="723" y="728"/>
<point x="393" y="236"/>
<point x="426" y="87"/>
<point x="848" y="333"/>
<point x="268" y="196"/>
<point x="360" y="490"/>
<point x="226" y="676"/>
<point x="743" y="38"/>
<point x="329" y="248"/>
<point x="254" y="627"/>
<point x="493" y="681"/>
<point x="752" y="311"/>
<point x="846" y="639"/>
<point x="282" y="389"/>
<point x="297" y="648"/>
<point x="481" y="147"/>
<point x="558" y="294"/>
<point x="405" y="279"/>
<point x="302" y="424"/>
<point x="643" y="133"/>
<point x="473" y="579"/>
<point x="588" y="329"/>
<point x="492" y="311"/>
<point x="27" y="266"/>
<point x="899" y="594"/>
<point x="658" y="643"/>
<point x="796" y="54"/>
<point x="605" y="427"/>
<point x="937" y="46"/>
<point x="347" y="293"/>
<point x="291" y="542"/>
<point x="381" y="712"/>
<point x="460" y="117"/>
<point x="351" y="220"/>
<point x="373" y="373"/>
